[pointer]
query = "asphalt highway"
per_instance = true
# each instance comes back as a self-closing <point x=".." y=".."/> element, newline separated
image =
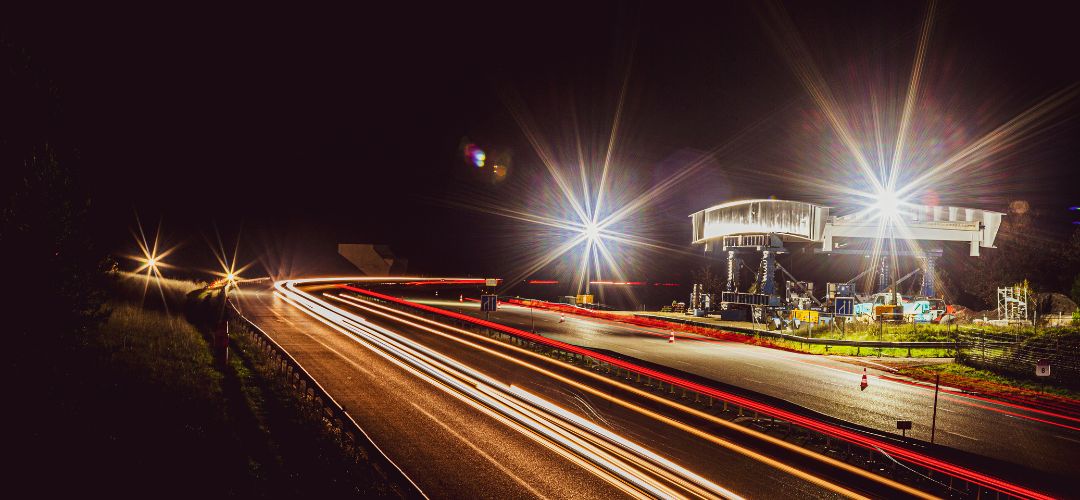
<point x="1000" y="430"/>
<point x="454" y="446"/>
<point x="447" y="447"/>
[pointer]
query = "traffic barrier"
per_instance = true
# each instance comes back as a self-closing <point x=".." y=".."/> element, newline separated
<point x="334" y="415"/>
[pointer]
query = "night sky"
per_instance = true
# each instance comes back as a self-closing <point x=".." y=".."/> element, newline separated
<point x="310" y="127"/>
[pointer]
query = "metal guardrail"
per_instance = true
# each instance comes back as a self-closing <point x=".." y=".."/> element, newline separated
<point x="347" y="430"/>
<point x="810" y="340"/>
<point x="752" y="413"/>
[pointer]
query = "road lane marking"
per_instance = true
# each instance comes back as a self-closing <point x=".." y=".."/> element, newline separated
<point x="961" y="435"/>
<point x="482" y="453"/>
<point x="1067" y="439"/>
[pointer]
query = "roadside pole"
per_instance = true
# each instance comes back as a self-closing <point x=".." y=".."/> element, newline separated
<point x="933" y="421"/>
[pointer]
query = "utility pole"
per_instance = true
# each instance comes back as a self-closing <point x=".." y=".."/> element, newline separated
<point x="933" y="421"/>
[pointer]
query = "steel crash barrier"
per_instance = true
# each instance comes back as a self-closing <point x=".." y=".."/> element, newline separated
<point x="877" y="454"/>
<point x="348" y="432"/>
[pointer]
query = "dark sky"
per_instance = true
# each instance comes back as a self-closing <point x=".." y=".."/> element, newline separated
<point x="309" y="126"/>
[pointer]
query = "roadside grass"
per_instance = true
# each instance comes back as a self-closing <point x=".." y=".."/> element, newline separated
<point x="854" y="330"/>
<point x="301" y="451"/>
<point x="981" y="380"/>
<point x="140" y="406"/>
<point x="921" y="333"/>
<point x="886" y="352"/>
<point x="167" y="350"/>
<point x="155" y="293"/>
<point x="889" y="332"/>
<point x="292" y="450"/>
<point x="130" y="407"/>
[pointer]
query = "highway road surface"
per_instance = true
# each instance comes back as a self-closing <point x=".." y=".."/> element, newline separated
<point x="1046" y="441"/>
<point x="447" y="447"/>
<point x="464" y="414"/>
<point x="467" y="416"/>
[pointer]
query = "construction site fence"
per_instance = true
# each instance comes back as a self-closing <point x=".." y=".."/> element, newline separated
<point x="1019" y="352"/>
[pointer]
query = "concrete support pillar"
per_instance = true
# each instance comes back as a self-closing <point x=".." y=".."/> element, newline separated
<point x="929" y="265"/>
<point x="768" y="269"/>
<point x="732" y="272"/>
<point x="883" y="280"/>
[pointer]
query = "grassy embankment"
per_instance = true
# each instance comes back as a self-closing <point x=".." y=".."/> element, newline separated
<point x="141" y="408"/>
<point x="877" y="332"/>
<point x="856" y="331"/>
<point x="986" y="381"/>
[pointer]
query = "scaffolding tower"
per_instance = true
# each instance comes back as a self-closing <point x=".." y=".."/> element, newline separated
<point x="1013" y="304"/>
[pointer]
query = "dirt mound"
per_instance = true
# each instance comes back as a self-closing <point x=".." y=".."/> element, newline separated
<point x="1054" y="303"/>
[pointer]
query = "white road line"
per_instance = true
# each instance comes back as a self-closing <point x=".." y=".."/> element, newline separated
<point x="961" y="435"/>
<point x="482" y="453"/>
<point x="1067" y="439"/>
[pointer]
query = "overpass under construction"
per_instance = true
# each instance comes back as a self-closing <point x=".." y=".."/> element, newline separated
<point x="759" y="229"/>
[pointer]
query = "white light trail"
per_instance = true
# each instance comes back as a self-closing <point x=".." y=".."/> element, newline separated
<point x="660" y="401"/>
<point x="621" y="464"/>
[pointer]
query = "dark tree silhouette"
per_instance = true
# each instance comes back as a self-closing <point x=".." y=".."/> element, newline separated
<point x="55" y="275"/>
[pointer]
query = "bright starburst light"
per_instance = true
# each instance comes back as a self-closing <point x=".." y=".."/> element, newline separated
<point x="590" y="203"/>
<point x="150" y="259"/>
<point x="907" y="152"/>
<point x="229" y="271"/>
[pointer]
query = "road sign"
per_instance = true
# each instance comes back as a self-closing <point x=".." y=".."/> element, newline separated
<point x="804" y="315"/>
<point x="1042" y="368"/>
<point x="845" y="306"/>
<point x="491" y="282"/>
<point x="489" y="302"/>
<point x="903" y="426"/>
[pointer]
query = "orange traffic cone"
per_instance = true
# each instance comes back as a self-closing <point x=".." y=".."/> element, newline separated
<point x="562" y="318"/>
<point x="671" y="339"/>
<point x="863" y="384"/>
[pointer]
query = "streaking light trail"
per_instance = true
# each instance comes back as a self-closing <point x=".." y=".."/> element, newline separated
<point x="829" y="429"/>
<point x="612" y="457"/>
